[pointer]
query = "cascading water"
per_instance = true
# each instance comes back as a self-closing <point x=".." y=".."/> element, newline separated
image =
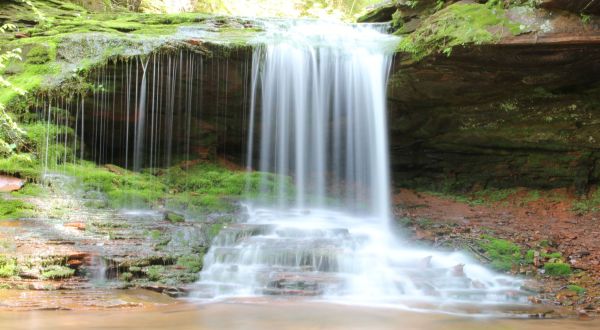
<point x="318" y="111"/>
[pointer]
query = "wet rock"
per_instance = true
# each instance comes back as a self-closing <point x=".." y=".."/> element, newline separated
<point x="425" y="262"/>
<point x="75" y="225"/>
<point x="458" y="270"/>
<point x="174" y="217"/>
<point x="583" y="315"/>
<point x="22" y="35"/>
<point x="9" y="183"/>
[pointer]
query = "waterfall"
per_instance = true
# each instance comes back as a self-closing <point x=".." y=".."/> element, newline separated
<point x="318" y="120"/>
<point x="322" y="118"/>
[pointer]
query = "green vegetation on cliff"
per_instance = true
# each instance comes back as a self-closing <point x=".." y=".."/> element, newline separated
<point x="457" y="25"/>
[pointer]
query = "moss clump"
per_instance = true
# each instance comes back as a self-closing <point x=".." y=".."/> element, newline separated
<point x="56" y="272"/>
<point x="15" y="209"/>
<point x="557" y="269"/>
<point x="38" y="55"/>
<point x="127" y="189"/>
<point x="155" y="273"/>
<point x="192" y="263"/>
<point x="174" y="217"/>
<point x="8" y="267"/>
<point x="30" y="190"/>
<point x="456" y="25"/>
<point x="576" y="288"/>
<point x="126" y="277"/>
<point x="22" y="165"/>
<point x="502" y="253"/>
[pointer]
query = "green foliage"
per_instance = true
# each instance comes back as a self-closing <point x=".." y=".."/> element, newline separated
<point x="456" y="25"/>
<point x="174" y="217"/>
<point x="8" y="267"/>
<point x="208" y="187"/>
<point x="557" y="269"/>
<point x="15" y="209"/>
<point x="155" y="273"/>
<point x="126" y="277"/>
<point x="587" y="204"/>
<point x="29" y="190"/>
<point x="192" y="263"/>
<point x="503" y="254"/>
<point x="22" y="165"/>
<point x="57" y="272"/>
<point x="585" y="19"/>
<point x="38" y="55"/>
<point x="42" y="139"/>
<point x="127" y="189"/>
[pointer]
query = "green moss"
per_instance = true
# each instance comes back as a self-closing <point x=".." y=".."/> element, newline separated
<point x="557" y="269"/>
<point x="576" y="288"/>
<point x="192" y="263"/>
<point x="155" y="273"/>
<point x="39" y="54"/>
<point x="15" y="209"/>
<point x="21" y="165"/>
<point x="56" y="272"/>
<point x="174" y="217"/>
<point x="127" y="189"/>
<point x="457" y="25"/>
<point x="8" y="267"/>
<point x="215" y="229"/>
<point x="126" y="277"/>
<point x="502" y="253"/>
<point x="30" y="190"/>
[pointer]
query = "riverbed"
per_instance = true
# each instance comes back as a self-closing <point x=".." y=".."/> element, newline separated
<point x="269" y="314"/>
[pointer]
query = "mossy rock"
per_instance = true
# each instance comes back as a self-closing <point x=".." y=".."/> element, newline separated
<point x="56" y="272"/>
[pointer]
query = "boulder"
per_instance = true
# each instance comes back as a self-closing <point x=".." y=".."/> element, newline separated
<point x="9" y="183"/>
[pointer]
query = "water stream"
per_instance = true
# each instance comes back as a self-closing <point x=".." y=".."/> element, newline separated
<point x="318" y="117"/>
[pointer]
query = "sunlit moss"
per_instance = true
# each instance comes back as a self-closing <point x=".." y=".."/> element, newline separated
<point x="8" y="267"/>
<point x="456" y="25"/>
<point x="56" y="272"/>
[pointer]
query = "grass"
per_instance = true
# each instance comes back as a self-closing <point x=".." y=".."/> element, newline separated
<point x="502" y="253"/>
<point x="577" y="289"/>
<point x="15" y="209"/>
<point x="587" y="204"/>
<point x="22" y="165"/>
<point x="155" y="273"/>
<point x="30" y="190"/>
<point x="557" y="269"/>
<point x="127" y="189"/>
<point x="8" y="267"/>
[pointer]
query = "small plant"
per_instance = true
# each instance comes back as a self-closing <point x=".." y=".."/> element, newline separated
<point x="577" y="289"/>
<point x="56" y="272"/>
<point x="557" y="269"/>
<point x="192" y="263"/>
<point x="155" y="273"/>
<point x="502" y="253"/>
<point x="126" y="277"/>
<point x="585" y="19"/>
<point x="14" y="209"/>
<point x="8" y="267"/>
